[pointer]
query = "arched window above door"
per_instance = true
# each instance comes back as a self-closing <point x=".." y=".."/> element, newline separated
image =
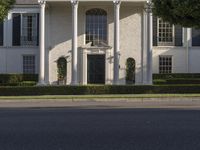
<point x="96" y="26"/>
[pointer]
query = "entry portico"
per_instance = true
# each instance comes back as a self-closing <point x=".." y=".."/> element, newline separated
<point x="116" y="46"/>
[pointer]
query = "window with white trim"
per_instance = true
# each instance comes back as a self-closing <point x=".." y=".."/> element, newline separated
<point x="29" y="29"/>
<point x="29" y="64"/>
<point x="165" y="64"/>
<point x="25" y="29"/>
<point x="165" y="33"/>
<point x="96" y="26"/>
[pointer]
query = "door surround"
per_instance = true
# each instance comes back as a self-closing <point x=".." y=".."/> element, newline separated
<point x="97" y="51"/>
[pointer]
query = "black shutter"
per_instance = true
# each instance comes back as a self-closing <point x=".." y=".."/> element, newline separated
<point x="195" y="37"/>
<point x="38" y="28"/>
<point x="178" y="35"/>
<point x="1" y="33"/>
<point x="155" y="28"/>
<point x="16" y="29"/>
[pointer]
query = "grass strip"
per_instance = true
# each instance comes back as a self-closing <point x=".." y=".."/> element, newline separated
<point x="126" y="96"/>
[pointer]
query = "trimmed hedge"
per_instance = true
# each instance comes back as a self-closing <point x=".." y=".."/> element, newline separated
<point x="92" y="90"/>
<point x="177" y="81"/>
<point x="176" y="75"/>
<point x="18" y="79"/>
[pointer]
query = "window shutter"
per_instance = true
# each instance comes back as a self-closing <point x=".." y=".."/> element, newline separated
<point x="178" y="35"/>
<point x="38" y="28"/>
<point x="1" y="33"/>
<point x="16" y="29"/>
<point x="195" y="37"/>
<point x="155" y="35"/>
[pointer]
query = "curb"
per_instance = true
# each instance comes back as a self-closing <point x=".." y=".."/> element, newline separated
<point x="193" y="102"/>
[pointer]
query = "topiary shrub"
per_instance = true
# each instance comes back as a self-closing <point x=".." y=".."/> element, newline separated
<point x="130" y="71"/>
<point x="62" y="70"/>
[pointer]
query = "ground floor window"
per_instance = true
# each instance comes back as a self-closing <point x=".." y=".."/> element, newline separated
<point x="165" y="64"/>
<point x="130" y="71"/>
<point x="29" y="64"/>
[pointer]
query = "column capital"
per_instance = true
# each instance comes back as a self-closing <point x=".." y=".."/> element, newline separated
<point x="117" y="2"/>
<point x="149" y="1"/>
<point x="149" y="6"/>
<point x="74" y="2"/>
<point x="42" y="2"/>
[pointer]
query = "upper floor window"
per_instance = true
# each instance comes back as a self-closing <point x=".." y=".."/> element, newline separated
<point x="96" y="26"/>
<point x="29" y="29"/>
<point x="195" y="37"/>
<point x="25" y="29"/>
<point x="165" y="33"/>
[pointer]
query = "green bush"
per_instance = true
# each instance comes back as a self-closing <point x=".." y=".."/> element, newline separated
<point x="176" y="75"/>
<point x="130" y="71"/>
<point x="177" y="81"/>
<point x="27" y="83"/>
<point x="87" y="90"/>
<point x="16" y="79"/>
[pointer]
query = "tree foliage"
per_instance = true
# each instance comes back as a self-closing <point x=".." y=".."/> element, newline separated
<point x="5" y="6"/>
<point x="181" y="12"/>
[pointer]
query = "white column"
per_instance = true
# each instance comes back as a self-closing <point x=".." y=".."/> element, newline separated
<point x="42" y="42"/>
<point x="144" y="51"/>
<point x="188" y="46"/>
<point x="149" y="43"/>
<point x="74" y="80"/>
<point x="8" y="31"/>
<point x="116" y="41"/>
<point x="5" y="31"/>
<point x="189" y="36"/>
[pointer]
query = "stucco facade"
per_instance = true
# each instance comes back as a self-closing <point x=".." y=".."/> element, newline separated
<point x="60" y="41"/>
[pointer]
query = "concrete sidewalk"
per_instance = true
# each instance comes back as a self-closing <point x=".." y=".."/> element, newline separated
<point x="168" y="102"/>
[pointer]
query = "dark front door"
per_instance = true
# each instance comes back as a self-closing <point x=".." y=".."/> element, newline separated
<point x="96" y="69"/>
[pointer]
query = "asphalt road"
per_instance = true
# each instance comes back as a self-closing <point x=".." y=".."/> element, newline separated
<point x="99" y="129"/>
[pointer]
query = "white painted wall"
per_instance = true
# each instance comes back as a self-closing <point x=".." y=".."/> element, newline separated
<point x="11" y="59"/>
<point x="179" y="59"/>
<point x="194" y="60"/>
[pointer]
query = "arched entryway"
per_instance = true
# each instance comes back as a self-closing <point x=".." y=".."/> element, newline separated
<point x="130" y="71"/>
<point x="62" y="70"/>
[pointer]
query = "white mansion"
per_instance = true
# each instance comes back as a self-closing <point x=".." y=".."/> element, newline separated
<point x="94" y="40"/>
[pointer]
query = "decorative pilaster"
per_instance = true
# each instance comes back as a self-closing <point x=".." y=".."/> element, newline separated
<point x="149" y="41"/>
<point x="42" y="4"/>
<point x="74" y="80"/>
<point x="117" y="4"/>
